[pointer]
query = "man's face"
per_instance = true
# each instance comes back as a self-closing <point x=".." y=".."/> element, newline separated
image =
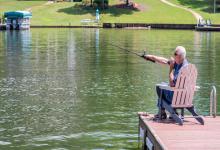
<point x="177" y="57"/>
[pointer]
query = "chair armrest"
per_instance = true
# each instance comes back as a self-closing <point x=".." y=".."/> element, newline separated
<point x="165" y="87"/>
<point x="197" y="88"/>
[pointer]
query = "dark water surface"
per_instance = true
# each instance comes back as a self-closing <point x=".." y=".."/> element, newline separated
<point x="70" y="89"/>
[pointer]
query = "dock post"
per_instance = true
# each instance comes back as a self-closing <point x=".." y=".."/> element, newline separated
<point x="147" y="138"/>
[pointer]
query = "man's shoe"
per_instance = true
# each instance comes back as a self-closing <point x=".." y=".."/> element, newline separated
<point x="163" y="116"/>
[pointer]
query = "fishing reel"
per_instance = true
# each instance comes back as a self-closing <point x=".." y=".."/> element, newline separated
<point x="143" y="55"/>
<point x="146" y="58"/>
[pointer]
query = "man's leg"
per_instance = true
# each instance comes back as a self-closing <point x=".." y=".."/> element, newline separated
<point x="161" y="113"/>
<point x="161" y="96"/>
<point x="168" y="96"/>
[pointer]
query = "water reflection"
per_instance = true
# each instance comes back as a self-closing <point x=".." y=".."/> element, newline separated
<point x="68" y="88"/>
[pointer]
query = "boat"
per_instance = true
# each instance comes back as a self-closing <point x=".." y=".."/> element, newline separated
<point x="2" y="26"/>
<point x="17" y="20"/>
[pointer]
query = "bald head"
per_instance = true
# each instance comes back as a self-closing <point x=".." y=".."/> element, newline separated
<point x="180" y="50"/>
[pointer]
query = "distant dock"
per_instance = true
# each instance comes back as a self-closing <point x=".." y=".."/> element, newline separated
<point x="2" y="27"/>
<point x="166" y="135"/>
<point x="208" y="28"/>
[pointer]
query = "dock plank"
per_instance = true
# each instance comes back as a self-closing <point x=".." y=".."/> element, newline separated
<point x="190" y="136"/>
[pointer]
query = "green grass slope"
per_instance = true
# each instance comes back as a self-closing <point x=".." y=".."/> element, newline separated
<point x="70" y="13"/>
<point x="11" y="5"/>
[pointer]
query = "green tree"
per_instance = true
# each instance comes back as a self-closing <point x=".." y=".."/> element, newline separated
<point x="127" y="2"/>
<point x="101" y="3"/>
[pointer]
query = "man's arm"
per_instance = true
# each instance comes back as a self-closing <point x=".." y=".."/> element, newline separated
<point x="166" y="61"/>
<point x="157" y="59"/>
<point x="171" y="76"/>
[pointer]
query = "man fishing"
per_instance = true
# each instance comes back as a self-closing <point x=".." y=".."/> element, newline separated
<point x="175" y="63"/>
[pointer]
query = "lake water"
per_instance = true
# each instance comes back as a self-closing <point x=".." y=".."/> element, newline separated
<point x="71" y="89"/>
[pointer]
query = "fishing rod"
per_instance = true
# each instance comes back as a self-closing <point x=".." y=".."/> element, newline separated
<point x="132" y="52"/>
<point x="126" y="50"/>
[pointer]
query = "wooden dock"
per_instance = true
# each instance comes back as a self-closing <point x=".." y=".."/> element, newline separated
<point x="167" y="135"/>
<point x="2" y="27"/>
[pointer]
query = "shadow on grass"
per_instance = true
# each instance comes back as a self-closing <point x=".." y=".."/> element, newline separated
<point x="113" y="10"/>
<point x="203" y="5"/>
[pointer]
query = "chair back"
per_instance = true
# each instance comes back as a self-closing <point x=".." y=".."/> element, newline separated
<point x="185" y="87"/>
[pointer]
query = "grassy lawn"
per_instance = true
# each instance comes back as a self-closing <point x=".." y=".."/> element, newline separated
<point x="11" y="5"/>
<point x="203" y="7"/>
<point x="65" y="13"/>
<point x="71" y="13"/>
<point x="153" y="12"/>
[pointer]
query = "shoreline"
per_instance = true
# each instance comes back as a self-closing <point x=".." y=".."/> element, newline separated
<point x="62" y="26"/>
<point x="132" y="26"/>
<point x="151" y="25"/>
<point x="125" y="26"/>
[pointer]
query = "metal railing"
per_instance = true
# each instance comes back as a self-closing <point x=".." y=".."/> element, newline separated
<point x="213" y="102"/>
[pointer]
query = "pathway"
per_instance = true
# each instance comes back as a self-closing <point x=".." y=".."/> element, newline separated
<point x="47" y="3"/>
<point x="195" y="14"/>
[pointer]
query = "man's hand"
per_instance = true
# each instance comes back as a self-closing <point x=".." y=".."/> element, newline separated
<point x="171" y="78"/>
<point x="172" y="83"/>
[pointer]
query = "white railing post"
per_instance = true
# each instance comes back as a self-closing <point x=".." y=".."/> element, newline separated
<point x="213" y="102"/>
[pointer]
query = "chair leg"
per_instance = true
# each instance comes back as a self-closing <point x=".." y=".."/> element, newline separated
<point x="182" y="112"/>
<point x="197" y="117"/>
<point x="172" y="111"/>
<point x="177" y="118"/>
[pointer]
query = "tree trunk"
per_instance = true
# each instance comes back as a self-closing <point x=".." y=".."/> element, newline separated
<point x="127" y="2"/>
